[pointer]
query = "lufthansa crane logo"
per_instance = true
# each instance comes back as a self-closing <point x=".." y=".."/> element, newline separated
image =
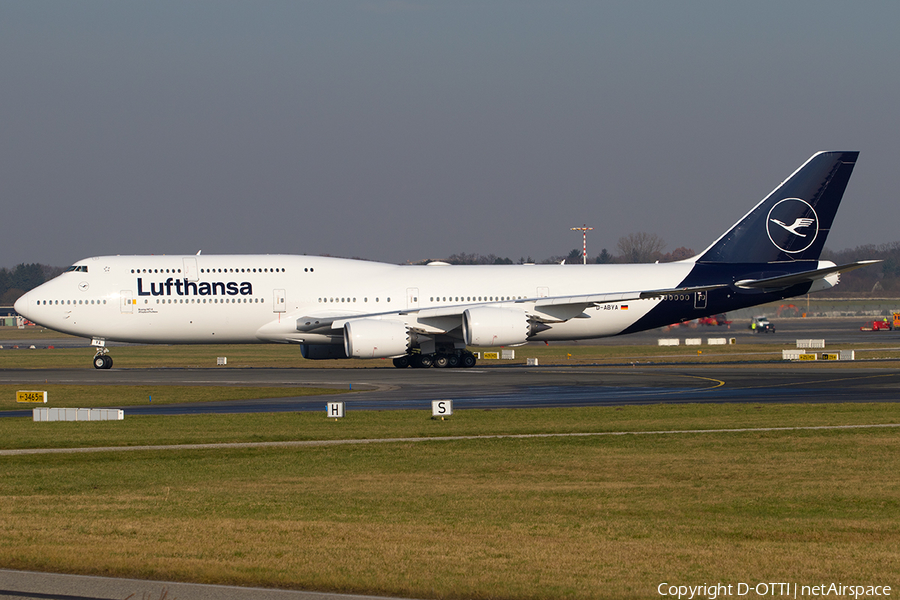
<point x="792" y="225"/>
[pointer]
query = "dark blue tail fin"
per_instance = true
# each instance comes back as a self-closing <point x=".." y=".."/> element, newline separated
<point x="792" y="222"/>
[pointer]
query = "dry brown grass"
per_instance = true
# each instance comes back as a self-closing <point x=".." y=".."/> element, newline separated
<point x="574" y="518"/>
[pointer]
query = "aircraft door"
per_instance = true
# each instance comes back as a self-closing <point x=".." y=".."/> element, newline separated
<point x="543" y="292"/>
<point x="412" y="298"/>
<point x="280" y="301"/>
<point x="191" y="273"/>
<point x="127" y="301"/>
<point x="700" y="300"/>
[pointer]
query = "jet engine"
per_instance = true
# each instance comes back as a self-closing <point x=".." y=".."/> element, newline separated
<point x="374" y="338"/>
<point x="494" y="326"/>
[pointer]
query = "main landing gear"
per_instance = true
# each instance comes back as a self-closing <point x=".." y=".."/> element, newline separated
<point x="440" y="360"/>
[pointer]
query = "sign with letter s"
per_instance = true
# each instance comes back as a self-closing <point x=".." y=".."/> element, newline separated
<point x="441" y="408"/>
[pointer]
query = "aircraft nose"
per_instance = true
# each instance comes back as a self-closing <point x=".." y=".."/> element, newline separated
<point x="21" y="304"/>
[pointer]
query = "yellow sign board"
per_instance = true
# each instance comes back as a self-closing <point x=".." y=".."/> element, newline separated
<point x="830" y="356"/>
<point x="31" y="396"/>
<point x="807" y="357"/>
<point x="491" y="356"/>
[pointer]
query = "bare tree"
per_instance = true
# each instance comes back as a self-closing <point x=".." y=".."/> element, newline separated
<point x="640" y="247"/>
<point x="681" y="253"/>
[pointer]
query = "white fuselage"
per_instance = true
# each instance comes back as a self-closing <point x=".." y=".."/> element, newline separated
<point x="259" y="298"/>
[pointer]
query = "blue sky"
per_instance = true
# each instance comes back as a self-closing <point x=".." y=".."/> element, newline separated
<point x="402" y="130"/>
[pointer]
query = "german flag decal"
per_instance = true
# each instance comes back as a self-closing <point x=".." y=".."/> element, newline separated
<point x="624" y="307"/>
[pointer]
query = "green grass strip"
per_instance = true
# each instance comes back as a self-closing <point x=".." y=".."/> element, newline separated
<point x="276" y="427"/>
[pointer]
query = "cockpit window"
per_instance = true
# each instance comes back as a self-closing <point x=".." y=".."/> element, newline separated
<point x="79" y="268"/>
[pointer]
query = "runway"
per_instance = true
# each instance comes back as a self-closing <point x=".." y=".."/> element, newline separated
<point x="497" y="387"/>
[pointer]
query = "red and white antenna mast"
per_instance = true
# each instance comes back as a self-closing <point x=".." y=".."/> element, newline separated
<point x="583" y="229"/>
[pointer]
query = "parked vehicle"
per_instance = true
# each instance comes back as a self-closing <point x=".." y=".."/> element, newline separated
<point x="882" y="325"/>
<point x="715" y="321"/>
<point x="761" y="324"/>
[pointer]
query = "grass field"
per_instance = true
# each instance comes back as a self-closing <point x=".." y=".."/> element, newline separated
<point x="583" y="517"/>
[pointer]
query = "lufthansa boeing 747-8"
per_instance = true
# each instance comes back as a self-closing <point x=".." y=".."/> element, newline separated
<point x="428" y="315"/>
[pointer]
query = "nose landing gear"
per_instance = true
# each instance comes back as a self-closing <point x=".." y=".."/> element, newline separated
<point x="102" y="359"/>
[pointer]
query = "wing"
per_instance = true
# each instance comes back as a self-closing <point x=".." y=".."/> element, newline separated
<point x="444" y="319"/>
<point x="554" y="309"/>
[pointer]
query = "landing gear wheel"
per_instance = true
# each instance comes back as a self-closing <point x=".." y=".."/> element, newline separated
<point x="467" y="360"/>
<point x="103" y="361"/>
<point x="422" y="361"/>
<point x="453" y="361"/>
<point x="401" y="362"/>
<point x="441" y="361"/>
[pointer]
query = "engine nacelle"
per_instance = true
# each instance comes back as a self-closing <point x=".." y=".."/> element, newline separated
<point x="494" y="326"/>
<point x="322" y="351"/>
<point x="374" y="338"/>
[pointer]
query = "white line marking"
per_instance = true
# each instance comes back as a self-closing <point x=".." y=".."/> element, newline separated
<point x="313" y="443"/>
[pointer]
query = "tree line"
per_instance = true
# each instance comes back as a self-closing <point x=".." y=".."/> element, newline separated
<point x="881" y="280"/>
<point x="22" y="278"/>
<point x="637" y="247"/>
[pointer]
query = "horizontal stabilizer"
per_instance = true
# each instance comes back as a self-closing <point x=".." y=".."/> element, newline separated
<point x="784" y="281"/>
